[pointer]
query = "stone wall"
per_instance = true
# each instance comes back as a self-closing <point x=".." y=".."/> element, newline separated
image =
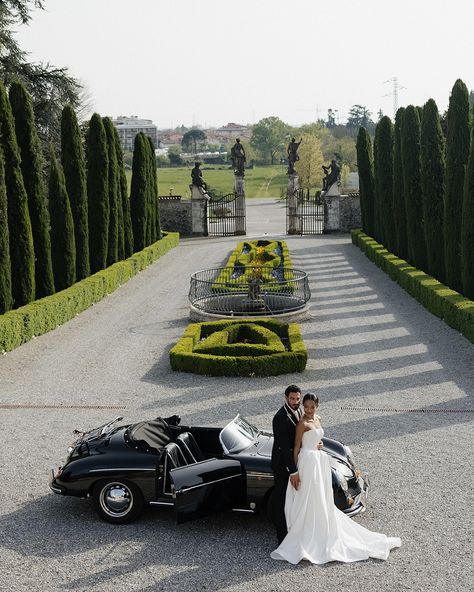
<point x="349" y="213"/>
<point x="176" y="215"/>
<point x="342" y="213"/>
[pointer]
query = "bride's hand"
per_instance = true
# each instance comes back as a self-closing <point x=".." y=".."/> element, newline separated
<point x="320" y="445"/>
<point x="295" y="480"/>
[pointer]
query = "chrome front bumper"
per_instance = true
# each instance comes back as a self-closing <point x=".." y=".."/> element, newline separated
<point x="360" y="501"/>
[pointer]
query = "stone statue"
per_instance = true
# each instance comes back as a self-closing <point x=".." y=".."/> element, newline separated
<point x="237" y="155"/>
<point x="292" y="152"/>
<point x="196" y="176"/>
<point x="332" y="173"/>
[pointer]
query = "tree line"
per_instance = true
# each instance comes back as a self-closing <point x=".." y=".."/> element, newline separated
<point x="62" y="221"/>
<point x="417" y="188"/>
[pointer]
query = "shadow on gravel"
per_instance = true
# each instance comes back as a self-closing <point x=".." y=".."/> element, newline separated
<point x="227" y="547"/>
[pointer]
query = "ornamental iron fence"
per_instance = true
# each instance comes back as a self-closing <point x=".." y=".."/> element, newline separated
<point x="249" y="291"/>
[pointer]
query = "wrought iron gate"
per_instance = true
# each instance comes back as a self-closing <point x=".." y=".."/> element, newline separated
<point x="305" y="213"/>
<point x="226" y="215"/>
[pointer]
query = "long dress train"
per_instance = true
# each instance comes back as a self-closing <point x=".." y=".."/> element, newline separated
<point x="317" y="530"/>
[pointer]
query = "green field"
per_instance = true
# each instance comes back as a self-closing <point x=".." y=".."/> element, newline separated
<point x="265" y="181"/>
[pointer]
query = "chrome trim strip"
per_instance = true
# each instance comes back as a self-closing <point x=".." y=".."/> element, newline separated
<point x="185" y="489"/>
<point x="55" y="489"/>
<point x="243" y="510"/>
<point x="120" y="469"/>
<point x="260" y="475"/>
<point x="161" y="503"/>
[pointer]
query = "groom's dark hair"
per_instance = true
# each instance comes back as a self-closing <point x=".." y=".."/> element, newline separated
<point x="292" y="389"/>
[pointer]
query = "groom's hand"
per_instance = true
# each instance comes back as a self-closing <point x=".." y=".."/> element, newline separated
<point x="295" y="480"/>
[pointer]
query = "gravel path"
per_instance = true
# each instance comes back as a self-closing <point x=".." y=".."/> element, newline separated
<point x="372" y="349"/>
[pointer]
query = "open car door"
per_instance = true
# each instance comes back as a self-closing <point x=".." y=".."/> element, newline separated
<point x="201" y="488"/>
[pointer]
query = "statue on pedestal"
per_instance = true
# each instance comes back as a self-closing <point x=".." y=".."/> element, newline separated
<point x="332" y="173"/>
<point x="196" y="176"/>
<point x="237" y="155"/>
<point x="292" y="152"/>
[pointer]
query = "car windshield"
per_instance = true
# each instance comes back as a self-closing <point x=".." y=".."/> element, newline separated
<point x="238" y="435"/>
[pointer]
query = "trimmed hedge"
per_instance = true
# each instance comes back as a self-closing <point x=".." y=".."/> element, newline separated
<point x="188" y="354"/>
<point x="456" y="310"/>
<point x="20" y="325"/>
<point x="234" y="341"/>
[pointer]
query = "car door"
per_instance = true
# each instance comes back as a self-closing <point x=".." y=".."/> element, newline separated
<point x="201" y="488"/>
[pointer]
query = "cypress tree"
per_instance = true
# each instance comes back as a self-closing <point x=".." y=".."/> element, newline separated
<point x="156" y="212"/>
<point x="74" y="167"/>
<point x="149" y="199"/>
<point x="383" y="166"/>
<point x="22" y="253"/>
<point x="156" y="230"/>
<point x="32" y="167"/>
<point x="366" y="180"/>
<point x="123" y="192"/>
<point x="112" y="249"/>
<point x="400" y="240"/>
<point x="411" y="163"/>
<point x="432" y="185"/>
<point x="62" y="228"/>
<point x="467" y="229"/>
<point x="6" y="300"/>
<point x="98" y="193"/>
<point x="139" y="192"/>
<point x="457" y="153"/>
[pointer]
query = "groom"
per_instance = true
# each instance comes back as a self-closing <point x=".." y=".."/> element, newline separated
<point x="283" y="464"/>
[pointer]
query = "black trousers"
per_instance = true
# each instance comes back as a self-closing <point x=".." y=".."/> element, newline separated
<point x="277" y="504"/>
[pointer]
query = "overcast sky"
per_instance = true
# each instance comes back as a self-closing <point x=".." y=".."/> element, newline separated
<point x="216" y="61"/>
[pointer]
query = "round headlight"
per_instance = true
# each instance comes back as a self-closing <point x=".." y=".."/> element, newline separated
<point x="350" y="456"/>
<point x="341" y="480"/>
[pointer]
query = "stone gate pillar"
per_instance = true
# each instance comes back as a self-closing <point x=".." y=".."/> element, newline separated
<point x="292" y="204"/>
<point x="198" y="211"/>
<point x="239" y="188"/>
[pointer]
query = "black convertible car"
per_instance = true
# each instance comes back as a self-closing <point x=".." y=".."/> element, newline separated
<point x="195" y="470"/>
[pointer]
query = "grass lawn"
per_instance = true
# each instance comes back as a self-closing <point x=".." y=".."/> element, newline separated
<point x="265" y="181"/>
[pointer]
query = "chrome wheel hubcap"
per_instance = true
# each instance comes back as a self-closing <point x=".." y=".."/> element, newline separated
<point x="116" y="499"/>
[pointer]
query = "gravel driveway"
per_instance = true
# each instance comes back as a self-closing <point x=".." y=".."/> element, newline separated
<point x="376" y="357"/>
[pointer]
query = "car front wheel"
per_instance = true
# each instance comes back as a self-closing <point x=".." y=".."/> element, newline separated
<point x="116" y="501"/>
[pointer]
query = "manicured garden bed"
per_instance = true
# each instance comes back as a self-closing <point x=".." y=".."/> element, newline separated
<point x="256" y="347"/>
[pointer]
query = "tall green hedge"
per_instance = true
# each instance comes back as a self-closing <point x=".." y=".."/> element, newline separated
<point x="62" y="228"/>
<point x="139" y="192"/>
<point x="6" y="300"/>
<point x="467" y="229"/>
<point x="457" y="154"/>
<point x="411" y="163"/>
<point x="98" y="193"/>
<point x="399" y="210"/>
<point x="74" y="166"/>
<point x="432" y="185"/>
<point x="22" y="253"/>
<point x="123" y="190"/>
<point x="366" y="179"/>
<point x="383" y="167"/>
<point x="114" y="202"/>
<point x="32" y="168"/>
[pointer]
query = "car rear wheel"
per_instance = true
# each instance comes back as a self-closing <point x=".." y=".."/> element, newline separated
<point x="117" y="501"/>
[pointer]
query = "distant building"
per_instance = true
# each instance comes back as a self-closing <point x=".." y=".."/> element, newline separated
<point x="128" y="128"/>
<point x="231" y="131"/>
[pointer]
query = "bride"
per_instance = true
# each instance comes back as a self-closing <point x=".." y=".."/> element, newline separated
<point x="317" y="530"/>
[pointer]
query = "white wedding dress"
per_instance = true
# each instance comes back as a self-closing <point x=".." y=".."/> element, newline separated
<point x="317" y="530"/>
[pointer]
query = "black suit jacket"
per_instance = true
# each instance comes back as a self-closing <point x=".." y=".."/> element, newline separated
<point x="284" y="439"/>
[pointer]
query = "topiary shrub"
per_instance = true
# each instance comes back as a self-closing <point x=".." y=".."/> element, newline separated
<point x="256" y="347"/>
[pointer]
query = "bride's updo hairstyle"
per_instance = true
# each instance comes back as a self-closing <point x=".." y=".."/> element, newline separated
<point x="311" y="397"/>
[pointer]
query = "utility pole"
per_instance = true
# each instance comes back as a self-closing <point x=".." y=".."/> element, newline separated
<point x="394" y="94"/>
